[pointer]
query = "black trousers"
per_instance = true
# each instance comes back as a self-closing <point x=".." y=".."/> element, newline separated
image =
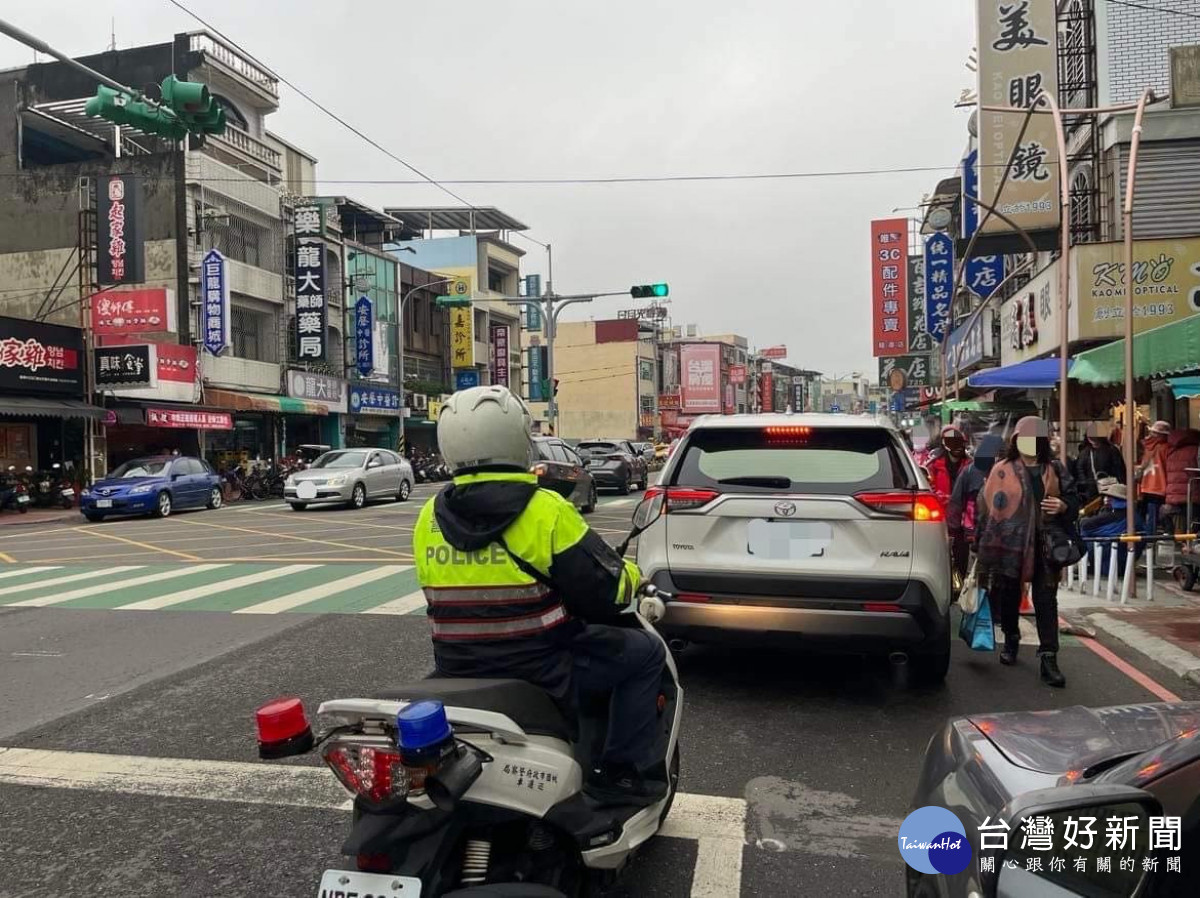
<point x="1005" y="595"/>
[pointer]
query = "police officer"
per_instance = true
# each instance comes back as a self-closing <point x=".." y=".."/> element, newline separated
<point x="519" y="586"/>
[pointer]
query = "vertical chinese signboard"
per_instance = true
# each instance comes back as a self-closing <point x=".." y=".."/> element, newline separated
<point x="889" y="286"/>
<point x="537" y="369"/>
<point x="215" y="291"/>
<point x="119" y="240"/>
<point x="939" y="282"/>
<point x="364" y="337"/>
<point x="462" y="337"/>
<point x="700" y="390"/>
<point x="767" y="385"/>
<point x="500" y="354"/>
<point x="311" y="308"/>
<point x="918" y="337"/>
<point x="1017" y="61"/>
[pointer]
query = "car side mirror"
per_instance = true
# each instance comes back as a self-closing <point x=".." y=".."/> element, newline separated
<point x="1034" y="826"/>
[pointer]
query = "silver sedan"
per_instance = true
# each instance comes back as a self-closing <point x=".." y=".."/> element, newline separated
<point x="351" y="477"/>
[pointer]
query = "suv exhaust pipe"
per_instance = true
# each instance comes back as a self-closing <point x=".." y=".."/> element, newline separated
<point x="677" y="645"/>
<point x="898" y="659"/>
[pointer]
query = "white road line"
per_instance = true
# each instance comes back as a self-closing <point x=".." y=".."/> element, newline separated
<point x="404" y="605"/>
<point x="717" y="823"/>
<point x="296" y="599"/>
<point x="181" y="571"/>
<point x="71" y="578"/>
<point x="200" y="592"/>
<point x="22" y="571"/>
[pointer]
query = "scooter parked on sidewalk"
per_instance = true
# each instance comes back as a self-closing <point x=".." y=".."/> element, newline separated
<point x="14" y="494"/>
<point x="476" y="787"/>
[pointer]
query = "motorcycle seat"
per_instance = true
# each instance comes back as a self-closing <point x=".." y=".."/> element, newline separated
<point x="528" y="706"/>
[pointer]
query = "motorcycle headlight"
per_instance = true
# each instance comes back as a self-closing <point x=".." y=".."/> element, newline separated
<point x="144" y="488"/>
<point x="336" y="480"/>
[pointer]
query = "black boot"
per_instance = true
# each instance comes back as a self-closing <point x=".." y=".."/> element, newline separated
<point x="1008" y="654"/>
<point x="1051" y="675"/>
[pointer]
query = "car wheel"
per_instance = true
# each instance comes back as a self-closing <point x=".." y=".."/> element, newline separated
<point x="162" y="508"/>
<point x="215" y="497"/>
<point x="623" y="489"/>
<point x="930" y="667"/>
<point x="1185" y="576"/>
<point x="298" y="506"/>
<point x="358" y="496"/>
<point x="93" y="517"/>
<point x="405" y="491"/>
<point x="591" y="502"/>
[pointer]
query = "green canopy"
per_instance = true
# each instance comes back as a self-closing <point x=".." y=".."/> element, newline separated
<point x="1170" y="349"/>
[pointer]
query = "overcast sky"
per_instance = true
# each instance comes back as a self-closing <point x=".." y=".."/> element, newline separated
<point x="562" y="88"/>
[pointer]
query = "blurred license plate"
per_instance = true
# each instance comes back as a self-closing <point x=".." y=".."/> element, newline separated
<point x="104" y="503"/>
<point x="347" y="883"/>
<point x="779" y="540"/>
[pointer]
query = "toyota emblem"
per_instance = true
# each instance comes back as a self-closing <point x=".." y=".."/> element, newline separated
<point x="785" y="509"/>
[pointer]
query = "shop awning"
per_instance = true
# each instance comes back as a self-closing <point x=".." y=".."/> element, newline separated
<point x="1170" y="349"/>
<point x="371" y="425"/>
<point x="48" y="408"/>
<point x="1185" y="387"/>
<point x="262" y="402"/>
<point x="1036" y="374"/>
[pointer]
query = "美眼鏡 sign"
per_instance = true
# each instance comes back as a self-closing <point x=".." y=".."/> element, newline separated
<point x="364" y="337"/>
<point x="311" y="308"/>
<point x="939" y="284"/>
<point x="134" y="365"/>
<point x="121" y="251"/>
<point x="214" y="290"/>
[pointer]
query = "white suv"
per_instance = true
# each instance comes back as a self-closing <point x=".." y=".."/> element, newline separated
<point x="816" y="530"/>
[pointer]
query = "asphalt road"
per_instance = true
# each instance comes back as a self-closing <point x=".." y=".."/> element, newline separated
<point x="821" y="756"/>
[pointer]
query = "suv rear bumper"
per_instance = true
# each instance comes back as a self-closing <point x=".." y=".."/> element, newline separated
<point x="834" y="625"/>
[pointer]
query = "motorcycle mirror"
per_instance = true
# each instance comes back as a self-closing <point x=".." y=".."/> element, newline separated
<point x="646" y="513"/>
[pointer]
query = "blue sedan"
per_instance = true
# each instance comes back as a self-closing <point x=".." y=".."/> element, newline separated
<point x="155" y="486"/>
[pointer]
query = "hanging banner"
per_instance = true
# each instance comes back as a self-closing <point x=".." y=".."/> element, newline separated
<point x="181" y="418"/>
<point x="918" y="337"/>
<point x="939" y="279"/>
<point x="774" y="352"/>
<point x="122" y="312"/>
<point x="500" y="354"/>
<point x="121" y="256"/>
<point x="135" y="365"/>
<point x="311" y="308"/>
<point x="699" y="365"/>
<point x="364" y="337"/>
<point x="1018" y="47"/>
<point x="216" y="317"/>
<point x="462" y="337"/>
<point x="889" y="286"/>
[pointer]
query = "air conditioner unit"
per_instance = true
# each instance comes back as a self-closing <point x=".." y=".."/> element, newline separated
<point x="691" y="330"/>
<point x="420" y="402"/>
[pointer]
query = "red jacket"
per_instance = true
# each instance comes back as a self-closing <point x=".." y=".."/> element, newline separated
<point x="941" y="476"/>
<point x="1181" y="453"/>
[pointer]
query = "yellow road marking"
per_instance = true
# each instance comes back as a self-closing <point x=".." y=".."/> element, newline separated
<point x="89" y="531"/>
<point x="4" y="556"/>
<point x="303" y="539"/>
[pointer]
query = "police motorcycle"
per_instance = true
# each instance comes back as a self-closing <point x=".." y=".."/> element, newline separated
<point x="473" y="787"/>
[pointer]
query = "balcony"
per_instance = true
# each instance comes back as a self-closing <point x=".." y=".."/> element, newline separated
<point x="234" y="64"/>
<point x="239" y="149"/>
<point x="241" y="374"/>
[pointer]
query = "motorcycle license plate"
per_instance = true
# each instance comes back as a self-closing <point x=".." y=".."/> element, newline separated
<point x="347" y="883"/>
<point x="22" y="500"/>
<point x="104" y="503"/>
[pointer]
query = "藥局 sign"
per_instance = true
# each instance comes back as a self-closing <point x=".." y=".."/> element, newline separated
<point x="311" y="310"/>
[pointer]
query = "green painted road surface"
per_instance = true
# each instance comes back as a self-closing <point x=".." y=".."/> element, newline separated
<point x="236" y="588"/>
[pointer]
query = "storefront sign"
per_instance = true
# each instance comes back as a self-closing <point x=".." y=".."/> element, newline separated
<point x="120" y="312"/>
<point x="766" y="384"/>
<point x="121" y="252"/>
<point x="466" y="378"/>
<point x="970" y="345"/>
<point x="970" y="188"/>
<point x="1029" y="321"/>
<point x="939" y="280"/>
<point x="668" y="401"/>
<point x="164" y="417"/>
<point x="217" y="317"/>
<point x="737" y="374"/>
<point x="537" y="365"/>
<point x="918" y="337"/>
<point x="40" y="358"/>
<point x="774" y="352"/>
<point x="646" y="313"/>
<point x="134" y="365"/>
<point x="1017" y="44"/>
<point x="984" y="274"/>
<point x="383" y="356"/>
<point x="889" y="286"/>
<point x="462" y="337"/>
<point x="364" y="336"/>
<point x="730" y="401"/>
<point x="500" y="354"/>
<point x="176" y="368"/>
<point x="311" y="310"/>
<point x="374" y="401"/>
<point x="309" y="220"/>
<point x="1166" y="285"/>
<point x="330" y="391"/>
<point x="918" y="372"/>
<point x="699" y="365"/>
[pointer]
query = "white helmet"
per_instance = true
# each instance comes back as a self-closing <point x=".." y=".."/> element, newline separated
<point x="485" y="426"/>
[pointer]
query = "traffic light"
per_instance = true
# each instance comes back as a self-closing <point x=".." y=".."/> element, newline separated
<point x="120" y="108"/>
<point x="649" y="291"/>
<point x="191" y="101"/>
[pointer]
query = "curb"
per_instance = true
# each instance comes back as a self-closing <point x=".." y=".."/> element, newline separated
<point x="24" y="521"/>
<point x="1180" y="662"/>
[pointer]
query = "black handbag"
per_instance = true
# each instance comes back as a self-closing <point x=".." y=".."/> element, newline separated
<point x="1062" y="541"/>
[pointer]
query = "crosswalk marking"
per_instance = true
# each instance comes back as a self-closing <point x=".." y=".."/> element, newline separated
<point x="405" y="605"/>
<point x="55" y="599"/>
<point x="23" y="571"/>
<point x="200" y="592"/>
<point x="71" y="578"/>
<point x="298" y="599"/>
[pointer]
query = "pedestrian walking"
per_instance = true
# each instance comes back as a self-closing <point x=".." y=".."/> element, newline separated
<point x="947" y="461"/>
<point x="1029" y="508"/>
<point x="961" y="513"/>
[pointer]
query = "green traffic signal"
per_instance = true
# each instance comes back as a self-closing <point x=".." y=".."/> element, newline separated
<point x="185" y="97"/>
<point x="649" y="291"/>
<point x="187" y="106"/>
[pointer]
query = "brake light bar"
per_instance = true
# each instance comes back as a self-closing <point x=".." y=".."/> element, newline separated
<point x="371" y="769"/>
<point x="681" y="498"/>
<point x="916" y="506"/>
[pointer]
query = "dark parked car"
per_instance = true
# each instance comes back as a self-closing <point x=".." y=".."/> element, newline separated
<point x="156" y="486"/>
<point x="560" y="469"/>
<point x="1135" y="762"/>
<point x="615" y="464"/>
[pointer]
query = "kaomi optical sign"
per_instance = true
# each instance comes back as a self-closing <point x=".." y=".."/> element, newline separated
<point x="1166" y="285"/>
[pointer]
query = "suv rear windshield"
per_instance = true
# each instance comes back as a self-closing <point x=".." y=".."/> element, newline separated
<point x="594" y="448"/>
<point x="826" y="461"/>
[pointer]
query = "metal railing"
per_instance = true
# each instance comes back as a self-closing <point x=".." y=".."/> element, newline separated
<point x="214" y="48"/>
<point x="250" y="146"/>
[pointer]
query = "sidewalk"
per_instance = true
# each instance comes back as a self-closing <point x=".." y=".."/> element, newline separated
<point x="1167" y="630"/>
<point x="41" y="516"/>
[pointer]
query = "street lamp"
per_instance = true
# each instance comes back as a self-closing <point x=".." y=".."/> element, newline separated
<point x="400" y="337"/>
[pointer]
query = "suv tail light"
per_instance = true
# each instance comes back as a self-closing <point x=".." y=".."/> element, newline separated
<point x="680" y="498"/>
<point x="916" y="506"/>
<point x="370" y="769"/>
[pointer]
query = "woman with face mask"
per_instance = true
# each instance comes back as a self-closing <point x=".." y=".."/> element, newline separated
<point x="1026" y="492"/>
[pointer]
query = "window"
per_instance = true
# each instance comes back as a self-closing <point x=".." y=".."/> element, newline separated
<point x="572" y="458"/>
<point x="244" y="327"/>
<point x="495" y="280"/>
<point x="557" y="452"/>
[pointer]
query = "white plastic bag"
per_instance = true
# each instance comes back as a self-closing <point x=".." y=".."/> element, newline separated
<point x="968" y="597"/>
